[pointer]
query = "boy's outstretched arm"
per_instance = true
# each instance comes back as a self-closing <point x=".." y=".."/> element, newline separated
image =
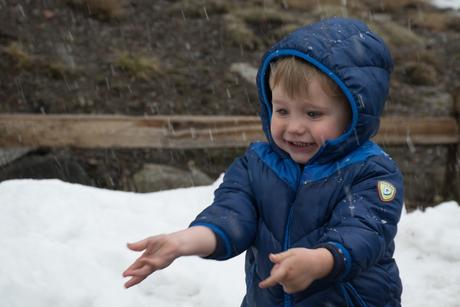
<point x="160" y="251"/>
<point x="296" y="268"/>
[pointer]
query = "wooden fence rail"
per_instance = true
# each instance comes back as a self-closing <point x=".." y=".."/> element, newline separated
<point x="181" y="132"/>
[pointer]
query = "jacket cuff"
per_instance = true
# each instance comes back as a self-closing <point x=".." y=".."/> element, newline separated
<point x="223" y="249"/>
<point x="342" y="260"/>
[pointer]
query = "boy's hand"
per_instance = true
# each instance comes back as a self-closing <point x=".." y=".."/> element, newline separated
<point x="159" y="252"/>
<point x="296" y="268"/>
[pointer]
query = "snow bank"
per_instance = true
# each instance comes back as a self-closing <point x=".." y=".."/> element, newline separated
<point x="64" y="245"/>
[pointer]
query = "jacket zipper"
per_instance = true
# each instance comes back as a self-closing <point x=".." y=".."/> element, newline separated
<point x="288" y="298"/>
<point x="287" y="243"/>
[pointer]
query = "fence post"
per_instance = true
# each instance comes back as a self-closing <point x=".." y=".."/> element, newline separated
<point x="452" y="176"/>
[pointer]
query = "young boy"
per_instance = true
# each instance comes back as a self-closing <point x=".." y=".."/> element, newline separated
<point x="316" y="208"/>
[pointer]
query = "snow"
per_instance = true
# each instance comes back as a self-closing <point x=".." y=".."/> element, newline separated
<point x="64" y="245"/>
<point x="452" y="4"/>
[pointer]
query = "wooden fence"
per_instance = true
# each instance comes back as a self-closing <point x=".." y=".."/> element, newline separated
<point x="182" y="132"/>
<point x="188" y="132"/>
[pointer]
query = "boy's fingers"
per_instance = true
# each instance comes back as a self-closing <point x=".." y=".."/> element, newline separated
<point x="138" y="246"/>
<point x="136" y="265"/>
<point x="273" y="279"/>
<point x="153" y="263"/>
<point x="134" y="281"/>
<point x="278" y="257"/>
<point x="143" y="271"/>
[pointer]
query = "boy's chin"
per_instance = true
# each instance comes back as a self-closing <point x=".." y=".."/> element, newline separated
<point x="300" y="159"/>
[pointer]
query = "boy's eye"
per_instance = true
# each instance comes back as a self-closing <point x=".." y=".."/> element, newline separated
<point x="281" y="111"/>
<point x="313" y="114"/>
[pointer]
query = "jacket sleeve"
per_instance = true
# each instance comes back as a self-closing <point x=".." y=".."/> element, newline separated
<point x="364" y="223"/>
<point x="232" y="216"/>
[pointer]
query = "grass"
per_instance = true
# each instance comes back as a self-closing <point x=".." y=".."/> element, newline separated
<point x="302" y="5"/>
<point x="254" y="27"/>
<point x="419" y="73"/>
<point x="28" y="62"/>
<point x="239" y="34"/>
<point x="58" y="70"/>
<point x="395" y="35"/>
<point x="199" y="8"/>
<point x="18" y="55"/>
<point x="139" y="66"/>
<point x="392" y="6"/>
<point x="435" y="21"/>
<point x="102" y="9"/>
<point x="308" y="5"/>
<point x="329" y="10"/>
<point x="257" y="15"/>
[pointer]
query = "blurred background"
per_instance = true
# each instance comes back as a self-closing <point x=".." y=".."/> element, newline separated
<point x="199" y="57"/>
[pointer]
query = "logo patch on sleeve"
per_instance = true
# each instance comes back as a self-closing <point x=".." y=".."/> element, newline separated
<point x="386" y="190"/>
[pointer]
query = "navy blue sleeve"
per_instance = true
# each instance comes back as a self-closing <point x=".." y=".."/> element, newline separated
<point x="339" y="255"/>
<point x="232" y="216"/>
<point x="364" y="223"/>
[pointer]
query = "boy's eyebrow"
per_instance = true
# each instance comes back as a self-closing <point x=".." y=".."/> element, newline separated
<point x="306" y="104"/>
<point x="278" y="101"/>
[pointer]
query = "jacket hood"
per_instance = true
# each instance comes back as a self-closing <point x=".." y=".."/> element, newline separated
<point x="355" y="58"/>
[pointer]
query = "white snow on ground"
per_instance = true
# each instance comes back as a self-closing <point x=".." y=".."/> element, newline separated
<point x="453" y="4"/>
<point x="63" y="244"/>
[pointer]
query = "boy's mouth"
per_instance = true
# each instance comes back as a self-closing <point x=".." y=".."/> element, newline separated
<point x="300" y="144"/>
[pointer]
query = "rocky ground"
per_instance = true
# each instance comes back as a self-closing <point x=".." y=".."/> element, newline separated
<point x="193" y="57"/>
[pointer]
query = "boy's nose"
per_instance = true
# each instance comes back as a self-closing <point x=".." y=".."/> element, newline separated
<point x="296" y="127"/>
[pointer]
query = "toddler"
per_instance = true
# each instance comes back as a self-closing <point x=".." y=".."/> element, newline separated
<point x="316" y="207"/>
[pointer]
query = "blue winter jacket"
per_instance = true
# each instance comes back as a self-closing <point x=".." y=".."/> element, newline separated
<point x="347" y="198"/>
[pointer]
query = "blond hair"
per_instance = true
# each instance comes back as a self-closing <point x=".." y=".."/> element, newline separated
<point x="294" y="74"/>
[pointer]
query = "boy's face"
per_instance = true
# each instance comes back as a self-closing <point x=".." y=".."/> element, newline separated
<point x="300" y="126"/>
